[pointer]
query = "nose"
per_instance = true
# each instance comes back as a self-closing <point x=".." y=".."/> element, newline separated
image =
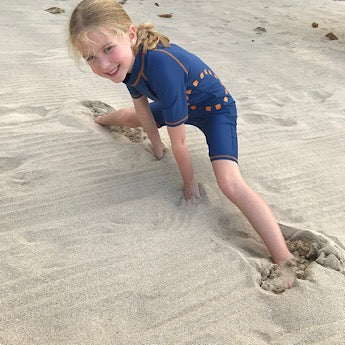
<point x="103" y="63"/>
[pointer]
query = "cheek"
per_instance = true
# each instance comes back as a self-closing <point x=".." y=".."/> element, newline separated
<point x="94" y="68"/>
<point x="120" y="55"/>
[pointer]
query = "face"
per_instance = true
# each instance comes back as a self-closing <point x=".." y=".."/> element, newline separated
<point x="108" y="55"/>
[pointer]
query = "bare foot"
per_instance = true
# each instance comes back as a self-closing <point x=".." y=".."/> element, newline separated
<point x="279" y="278"/>
<point x="107" y="120"/>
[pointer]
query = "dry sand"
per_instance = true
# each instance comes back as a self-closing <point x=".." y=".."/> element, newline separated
<point x="96" y="247"/>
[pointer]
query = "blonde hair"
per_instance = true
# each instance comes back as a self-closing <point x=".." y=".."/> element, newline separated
<point x="109" y="15"/>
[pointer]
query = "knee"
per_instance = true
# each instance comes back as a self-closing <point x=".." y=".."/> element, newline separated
<point x="230" y="185"/>
<point x="128" y="118"/>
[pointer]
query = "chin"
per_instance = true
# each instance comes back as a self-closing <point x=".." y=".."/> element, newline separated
<point x="117" y="79"/>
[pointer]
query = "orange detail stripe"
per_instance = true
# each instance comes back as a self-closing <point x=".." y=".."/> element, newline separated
<point x="205" y="71"/>
<point x="187" y="98"/>
<point x="208" y="108"/>
<point x="218" y="106"/>
<point x="215" y="75"/>
<point x="188" y="92"/>
<point x="226" y="99"/>
<point x="137" y="95"/>
<point x="202" y="75"/>
<point x="195" y="83"/>
<point x="141" y="70"/>
<point x="174" y="57"/>
<point x="177" y="122"/>
<point x="226" y="92"/>
<point x="209" y="72"/>
<point x="193" y="107"/>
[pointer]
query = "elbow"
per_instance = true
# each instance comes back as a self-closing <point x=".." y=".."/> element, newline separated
<point x="178" y="144"/>
<point x="177" y="137"/>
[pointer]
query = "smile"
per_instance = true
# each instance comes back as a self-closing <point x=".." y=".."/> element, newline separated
<point x="113" y="71"/>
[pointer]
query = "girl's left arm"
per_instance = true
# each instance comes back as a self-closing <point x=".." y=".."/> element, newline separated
<point x="181" y="153"/>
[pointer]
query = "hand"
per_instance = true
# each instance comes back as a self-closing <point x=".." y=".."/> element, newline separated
<point x="157" y="152"/>
<point x="191" y="191"/>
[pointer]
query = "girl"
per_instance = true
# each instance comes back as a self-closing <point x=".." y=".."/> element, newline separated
<point x="184" y="91"/>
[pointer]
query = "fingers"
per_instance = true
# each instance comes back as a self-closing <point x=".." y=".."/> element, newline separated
<point x="158" y="155"/>
<point x="163" y="154"/>
<point x="193" y="197"/>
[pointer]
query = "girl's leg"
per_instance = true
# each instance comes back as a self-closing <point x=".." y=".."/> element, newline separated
<point x="122" y="117"/>
<point x="255" y="209"/>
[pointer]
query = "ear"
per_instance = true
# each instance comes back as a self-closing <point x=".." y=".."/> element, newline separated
<point x="132" y="34"/>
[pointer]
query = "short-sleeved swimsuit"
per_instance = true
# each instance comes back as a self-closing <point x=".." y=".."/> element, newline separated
<point x="185" y="90"/>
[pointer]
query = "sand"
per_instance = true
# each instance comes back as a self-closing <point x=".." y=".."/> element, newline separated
<point x="96" y="246"/>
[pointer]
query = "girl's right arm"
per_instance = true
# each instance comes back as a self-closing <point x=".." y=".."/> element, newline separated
<point x="181" y="153"/>
<point x="145" y="117"/>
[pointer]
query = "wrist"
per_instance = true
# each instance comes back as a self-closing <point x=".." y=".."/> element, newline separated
<point x="189" y="181"/>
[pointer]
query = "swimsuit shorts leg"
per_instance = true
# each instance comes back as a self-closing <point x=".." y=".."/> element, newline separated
<point x="220" y="132"/>
<point x="219" y="129"/>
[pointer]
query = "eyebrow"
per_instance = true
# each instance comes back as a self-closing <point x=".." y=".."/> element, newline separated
<point x="105" y="45"/>
<point x="85" y="57"/>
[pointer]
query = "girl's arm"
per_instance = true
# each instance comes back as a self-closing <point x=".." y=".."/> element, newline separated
<point x="181" y="154"/>
<point x="144" y="115"/>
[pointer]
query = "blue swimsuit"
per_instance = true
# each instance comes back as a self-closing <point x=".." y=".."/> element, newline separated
<point x="185" y="90"/>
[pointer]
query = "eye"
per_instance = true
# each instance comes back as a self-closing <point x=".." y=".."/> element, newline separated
<point x="90" y="58"/>
<point x="108" y="49"/>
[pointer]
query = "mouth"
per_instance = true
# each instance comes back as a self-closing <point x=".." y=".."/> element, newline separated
<point x="113" y="72"/>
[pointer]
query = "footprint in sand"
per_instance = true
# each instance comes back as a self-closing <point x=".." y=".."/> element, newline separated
<point x="17" y="178"/>
<point x="25" y="180"/>
<point x="22" y="114"/>
<point x="98" y="108"/>
<point x="9" y="163"/>
<point x="257" y="118"/>
<point x="307" y="247"/>
<point x="320" y="96"/>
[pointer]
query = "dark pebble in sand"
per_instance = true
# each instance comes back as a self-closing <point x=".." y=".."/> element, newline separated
<point x="260" y="30"/>
<point x="331" y="36"/>
<point x="55" y="10"/>
<point x="166" y="15"/>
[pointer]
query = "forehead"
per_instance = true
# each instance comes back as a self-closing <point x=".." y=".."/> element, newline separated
<point x="95" y="40"/>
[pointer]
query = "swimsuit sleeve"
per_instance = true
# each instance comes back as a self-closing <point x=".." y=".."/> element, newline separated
<point x="168" y="78"/>
<point x="134" y="92"/>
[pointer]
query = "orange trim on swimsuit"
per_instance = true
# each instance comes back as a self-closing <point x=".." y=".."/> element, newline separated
<point x="178" y="122"/>
<point x="174" y="57"/>
<point x="141" y="72"/>
<point x="224" y="157"/>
